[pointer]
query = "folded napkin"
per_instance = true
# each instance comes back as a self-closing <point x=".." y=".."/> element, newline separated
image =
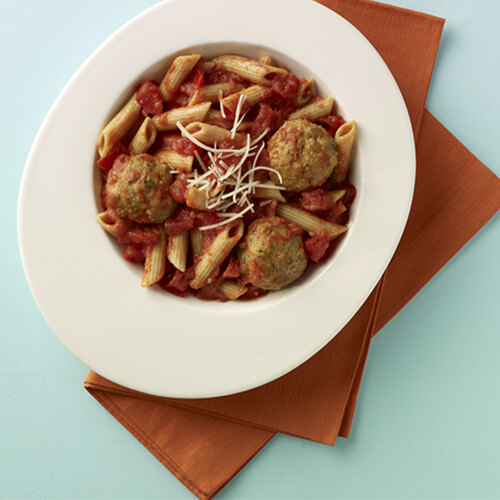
<point x="206" y="442"/>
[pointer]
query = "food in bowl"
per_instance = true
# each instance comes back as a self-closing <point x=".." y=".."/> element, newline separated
<point x="227" y="179"/>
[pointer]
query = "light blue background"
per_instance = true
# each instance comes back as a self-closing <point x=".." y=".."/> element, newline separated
<point x="428" y="418"/>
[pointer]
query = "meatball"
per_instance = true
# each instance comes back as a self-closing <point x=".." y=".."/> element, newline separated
<point x="303" y="153"/>
<point x="137" y="188"/>
<point x="272" y="255"/>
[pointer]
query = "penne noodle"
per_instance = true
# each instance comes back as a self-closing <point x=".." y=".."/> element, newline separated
<point x="269" y="192"/>
<point x="109" y="227"/>
<point x="118" y="126"/>
<point x="344" y="137"/>
<point x="309" y="222"/>
<point x="214" y="118"/>
<point x="213" y="93"/>
<point x="196" y="237"/>
<point x="175" y="161"/>
<point x="322" y="106"/>
<point x="209" y="134"/>
<point x="306" y="91"/>
<point x="244" y="126"/>
<point x="196" y="198"/>
<point x="176" y="74"/>
<point x="155" y="264"/>
<point x="219" y="249"/>
<point x="232" y="289"/>
<point x="336" y="195"/>
<point x="177" y="250"/>
<point x="144" y="137"/>
<point x="250" y="69"/>
<point x="206" y="66"/>
<point x="253" y="95"/>
<point x="167" y="121"/>
<point x="266" y="60"/>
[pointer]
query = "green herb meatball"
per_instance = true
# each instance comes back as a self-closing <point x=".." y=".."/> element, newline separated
<point x="272" y="255"/>
<point x="303" y="153"/>
<point x="137" y="188"/>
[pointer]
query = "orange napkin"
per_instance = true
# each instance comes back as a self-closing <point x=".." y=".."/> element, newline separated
<point x="206" y="442"/>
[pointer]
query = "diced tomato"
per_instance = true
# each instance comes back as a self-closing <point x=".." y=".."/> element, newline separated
<point x="263" y="208"/>
<point x="149" y="97"/>
<point x="181" y="220"/>
<point x="315" y="200"/>
<point x="206" y="219"/>
<point x="229" y="143"/>
<point x="331" y="123"/>
<point x="133" y="253"/>
<point x="211" y="292"/>
<point x="181" y="145"/>
<point x="187" y="90"/>
<point x="263" y="159"/>
<point x="265" y="119"/>
<point x="141" y="235"/>
<point x="233" y="268"/>
<point x="178" y="284"/>
<point x="178" y="189"/>
<point x="335" y="212"/>
<point x="317" y="245"/>
<point x="286" y="86"/>
<point x="106" y="162"/>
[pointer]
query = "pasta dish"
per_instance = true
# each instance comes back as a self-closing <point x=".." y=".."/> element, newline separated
<point x="227" y="179"/>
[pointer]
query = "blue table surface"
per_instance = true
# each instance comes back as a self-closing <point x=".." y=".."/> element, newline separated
<point x="428" y="418"/>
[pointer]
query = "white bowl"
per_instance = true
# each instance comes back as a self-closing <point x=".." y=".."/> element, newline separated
<point x="157" y="343"/>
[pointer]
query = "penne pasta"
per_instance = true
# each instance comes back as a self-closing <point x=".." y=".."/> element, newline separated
<point x="209" y="134"/>
<point x="214" y="92"/>
<point x="266" y="60"/>
<point x="309" y="222"/>
<point x="344" y="137"/>
<point x="176" y="74"/>
<point x="206" y="66"/>
<point x="269" y="192"/>
<point x="232" y="289"/>
<point x="108" y="226"/>
<point x="250" y="69"/>
<point x="144" y="137"/>
<point x="322" y="106"/>
<point x="255" y="130"/>
<point x="196" y="238"/>
<point x="175" y="161"/>
<point x="214" y="118"/>
<point x="118" y="126"/>
<point x="253" y="95"/>
<point x="196" y="198"/>
<point x="188" y="114"/>
<point x="155" y="264"/>
<point x="336" y="195"/>
<point x="306" y="91"/>
<point x="177" y="250"/>
<point x="219" y="249"/>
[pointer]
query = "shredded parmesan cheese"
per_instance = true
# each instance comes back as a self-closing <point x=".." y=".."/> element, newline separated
<point x="230" y="184"/>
